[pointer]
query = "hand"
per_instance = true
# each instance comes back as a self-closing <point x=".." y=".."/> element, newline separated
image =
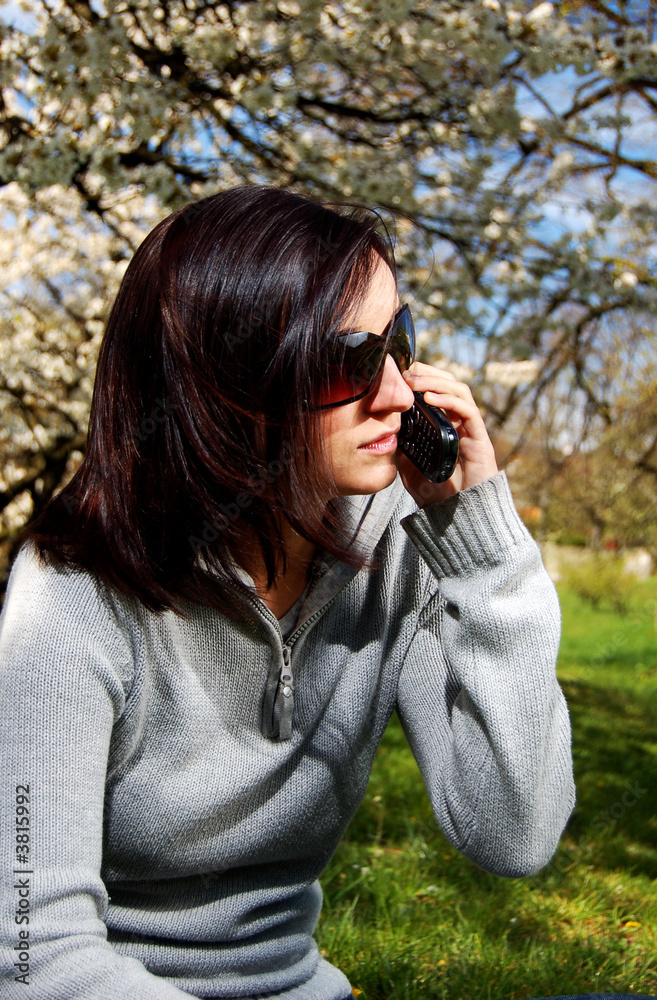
<point x="476" y="461"/>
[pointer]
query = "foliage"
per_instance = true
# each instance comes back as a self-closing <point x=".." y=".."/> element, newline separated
<point x="593" y="467"/>
<point x="507" y="140"/>
<point x="60" y="273"/>
<point x="604" y="496"/>
<point x="408" y="918"/>
<point x="599" y="579"/>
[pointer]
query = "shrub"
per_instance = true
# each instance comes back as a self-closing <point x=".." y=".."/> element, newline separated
<point x="600" y="581"/>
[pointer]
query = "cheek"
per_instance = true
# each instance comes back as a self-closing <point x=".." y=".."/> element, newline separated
<point x="340" y="388"/>
<point x="336" y="435"/>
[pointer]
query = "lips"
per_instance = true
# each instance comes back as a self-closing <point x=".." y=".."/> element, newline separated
<point x="382" y="437"/>
<point x="384" y="442"/>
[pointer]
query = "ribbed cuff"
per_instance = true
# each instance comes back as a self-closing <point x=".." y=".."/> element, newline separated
<point x="470" y="529"/>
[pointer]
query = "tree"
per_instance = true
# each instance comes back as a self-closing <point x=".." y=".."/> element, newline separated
<point x="507" y="140"/>
<point x="59" y="273"/>
<point x="588" y="459"/>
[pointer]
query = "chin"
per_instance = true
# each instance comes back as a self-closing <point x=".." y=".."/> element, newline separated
<point x="370" y="481"/>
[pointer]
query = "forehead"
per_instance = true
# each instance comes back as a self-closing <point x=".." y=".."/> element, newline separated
<point x="380" y="304"/>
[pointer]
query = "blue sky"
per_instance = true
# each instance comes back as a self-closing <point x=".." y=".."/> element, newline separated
<point x="12" y="14"/>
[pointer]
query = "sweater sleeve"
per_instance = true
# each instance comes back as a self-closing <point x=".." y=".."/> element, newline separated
<point x="64" y="670"/>
<point x="478" y="695"/>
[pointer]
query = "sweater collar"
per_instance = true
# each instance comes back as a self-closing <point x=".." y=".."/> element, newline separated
<point x="366" y="518"/>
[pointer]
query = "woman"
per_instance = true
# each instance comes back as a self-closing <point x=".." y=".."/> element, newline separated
<point x="207" y="631"/>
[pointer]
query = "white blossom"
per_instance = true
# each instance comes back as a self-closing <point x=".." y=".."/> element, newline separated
<point x="512" y="373"/>
<point x="413" y="109"/>
<point x="626" y="279"/>
<point x="540" y="13"/>
<point x="493" y="231"/>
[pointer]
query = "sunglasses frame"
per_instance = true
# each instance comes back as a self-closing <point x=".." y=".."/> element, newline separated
<point x="388" y="336"/>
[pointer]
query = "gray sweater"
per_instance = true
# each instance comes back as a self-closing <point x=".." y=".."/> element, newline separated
<point x="181" y="785"/>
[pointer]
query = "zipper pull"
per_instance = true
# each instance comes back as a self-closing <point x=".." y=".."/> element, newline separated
<point x="284" y="702"/>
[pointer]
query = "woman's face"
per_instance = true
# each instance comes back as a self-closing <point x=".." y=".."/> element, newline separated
<point x="360" y="438"/>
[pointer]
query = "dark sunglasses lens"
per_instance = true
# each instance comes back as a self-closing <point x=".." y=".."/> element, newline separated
<point x="356" y="360"/>
<point x="353" y="366"/>
<point x="402" y="346"/>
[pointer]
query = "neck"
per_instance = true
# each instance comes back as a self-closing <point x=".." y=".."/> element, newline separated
<point x="289" y="586"/>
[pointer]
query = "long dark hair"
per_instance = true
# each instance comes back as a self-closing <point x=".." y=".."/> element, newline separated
<point x="201" y="437"/>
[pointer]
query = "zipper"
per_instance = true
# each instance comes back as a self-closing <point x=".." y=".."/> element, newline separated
<point x="284" y="700"/>
<point x="278" y="701"/>
<point x="309" y="621"/>
<point x="280" y="727"/>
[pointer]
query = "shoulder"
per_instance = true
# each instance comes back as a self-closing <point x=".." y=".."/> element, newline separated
<point x="59" y="613"/>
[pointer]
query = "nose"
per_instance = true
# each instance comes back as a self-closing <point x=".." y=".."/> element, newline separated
<point x="393" y="392"/>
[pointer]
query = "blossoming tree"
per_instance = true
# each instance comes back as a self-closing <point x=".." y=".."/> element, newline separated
<point x="512" y="144"/>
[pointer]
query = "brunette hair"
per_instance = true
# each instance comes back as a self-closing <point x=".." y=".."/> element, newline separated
<point x="200" y="434"/>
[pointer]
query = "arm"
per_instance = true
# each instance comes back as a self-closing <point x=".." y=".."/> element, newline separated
<point x="478" y="695"/>
<point x="64" y="668"/>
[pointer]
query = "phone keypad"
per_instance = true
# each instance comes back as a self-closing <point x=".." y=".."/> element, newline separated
<point x="433" y="451"/>
<point x="418" y="443"/>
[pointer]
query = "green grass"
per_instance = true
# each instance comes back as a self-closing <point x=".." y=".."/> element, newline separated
<point x="406" y="916"/>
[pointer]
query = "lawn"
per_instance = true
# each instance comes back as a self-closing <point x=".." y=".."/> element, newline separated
<point x="406" y="916"/>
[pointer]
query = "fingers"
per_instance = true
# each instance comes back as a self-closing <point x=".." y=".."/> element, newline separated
<point x="476" y="453"/>
<point x="442" y="389"/>
<point x="418" y="368"/>
<point x="463" y="407"/>
<point x="423" y="378"/>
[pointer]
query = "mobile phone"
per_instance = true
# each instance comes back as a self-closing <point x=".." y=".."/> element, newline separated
<point x="429" y="440"/>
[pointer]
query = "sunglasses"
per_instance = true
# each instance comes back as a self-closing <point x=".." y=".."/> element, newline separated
<point x="356" y="359"/>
